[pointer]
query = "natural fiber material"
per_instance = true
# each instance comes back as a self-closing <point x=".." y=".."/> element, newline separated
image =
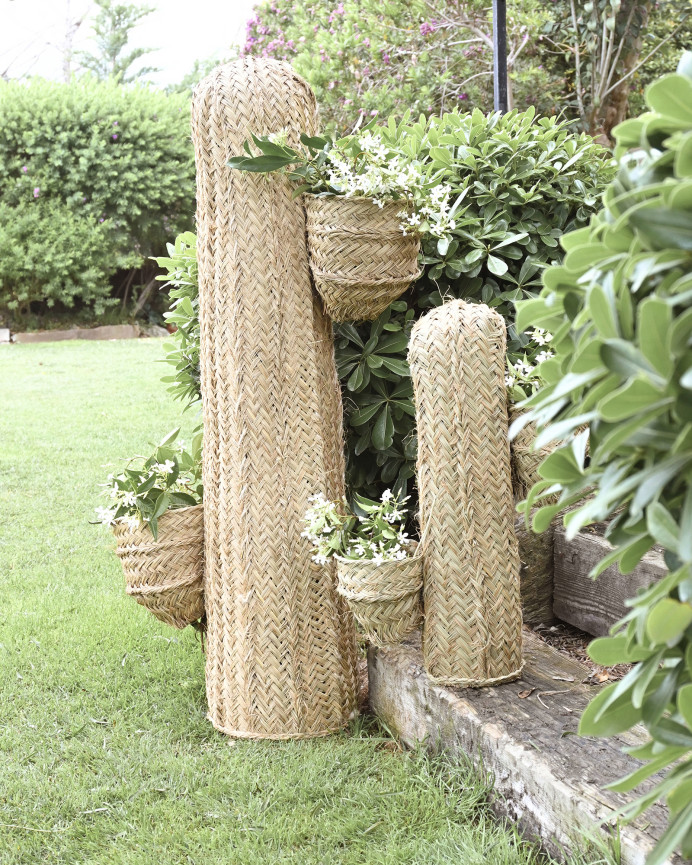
<point x="280" y="640"/>
<point x="525" y="461"/>
<point x="359" y="257"/>
<point x="536" y="575"/>
<point x="385" y="599"/>
<point x="165" y="575"/>
<point x="472" y="629"/>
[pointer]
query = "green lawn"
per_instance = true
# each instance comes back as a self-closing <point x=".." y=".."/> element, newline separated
<point x="105" y="752"/>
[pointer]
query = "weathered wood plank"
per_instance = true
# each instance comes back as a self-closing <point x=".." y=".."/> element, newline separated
<point x="548" y="780"/>
<point x="595" y="605"/>
<point x="536" y="579"/>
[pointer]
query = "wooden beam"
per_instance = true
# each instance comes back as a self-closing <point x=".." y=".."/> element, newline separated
<point x="548" y="780"/>
<point x="595" y="605"/>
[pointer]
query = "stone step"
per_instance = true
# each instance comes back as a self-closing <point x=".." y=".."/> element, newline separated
<point x="547" y="779"/>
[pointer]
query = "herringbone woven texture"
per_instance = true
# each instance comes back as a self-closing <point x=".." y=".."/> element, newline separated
<point x="525" y="461"/>
<point x="360" y="259"/>
<point x="166" y="575"/>
<point x="385" y="599"/>
<point x="472" y="628"/>
<point x="280" y="640"/>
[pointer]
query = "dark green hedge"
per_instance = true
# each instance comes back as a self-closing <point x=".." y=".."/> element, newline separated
<point x="90" y="166"/>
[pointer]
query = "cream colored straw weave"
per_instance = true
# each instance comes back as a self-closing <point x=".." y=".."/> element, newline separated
<point x="525" y="461"/>
<point x="384" y="598"/>
<point x="472" y="627"/>
<point x="360" y="259"/>
<point x="280" y="641"/>
<point x="165" y="574"/>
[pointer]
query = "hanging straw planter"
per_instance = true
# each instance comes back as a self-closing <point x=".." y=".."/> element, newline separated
<point x="165" y="575"/>
<point x="385" y="599"/>
<point x="359" y="257"/>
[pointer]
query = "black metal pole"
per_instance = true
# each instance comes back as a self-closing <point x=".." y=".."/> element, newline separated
<point x="500" y="54"/>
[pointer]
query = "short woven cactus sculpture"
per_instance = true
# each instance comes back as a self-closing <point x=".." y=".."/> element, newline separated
<point x="472" y="629"/>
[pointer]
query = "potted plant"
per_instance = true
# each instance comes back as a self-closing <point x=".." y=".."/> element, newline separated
<point x="156" y="515"/>
<point x="365" y="205"/>
<point x="379" y="569"/>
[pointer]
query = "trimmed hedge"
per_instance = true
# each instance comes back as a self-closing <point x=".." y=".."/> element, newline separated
<point x="92" y="160"/>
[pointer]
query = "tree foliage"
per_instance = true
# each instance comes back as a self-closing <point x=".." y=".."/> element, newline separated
<point x="578" y="60"/>
<point x="364" y="58"/>
<point x="111" y="29"/>
<point x="620" y="309"/>
<point x="602" y="49"/>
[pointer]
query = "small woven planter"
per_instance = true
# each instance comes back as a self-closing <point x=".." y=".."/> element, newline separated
<point x="359" y="257"/>
<point x="384" y="599"/>
<point x="165" y="575"/>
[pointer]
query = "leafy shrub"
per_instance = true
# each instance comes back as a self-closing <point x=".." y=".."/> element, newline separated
<point x="50" y="253"/>
<point x="523" y="182"/>
<point x="183" y="351"/>
<point x="366" y="58"/>
<point x="620" y="308"/>
<point x="117" y="157"/>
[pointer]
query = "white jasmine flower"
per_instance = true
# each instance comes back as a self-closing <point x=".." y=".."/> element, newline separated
<point x="105" y="515"/>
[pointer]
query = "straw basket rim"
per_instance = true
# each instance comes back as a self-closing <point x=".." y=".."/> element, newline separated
<point x="121" y="527"/>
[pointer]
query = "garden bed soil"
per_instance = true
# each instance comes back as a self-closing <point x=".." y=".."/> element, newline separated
<point x="573" y="643"/>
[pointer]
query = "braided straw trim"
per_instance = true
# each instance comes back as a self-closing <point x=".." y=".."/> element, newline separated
<point x="165" y="575"/>
<point x="359" y="257"/>
<point x="384" y="599"/>
<point x="280" y="641"/>
<point x="472" y="628"/>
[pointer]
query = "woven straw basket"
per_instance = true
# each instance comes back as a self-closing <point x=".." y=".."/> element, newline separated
<point x="281" y="649"/>
<point x="359" y="257"/>
<point x="384" y="599"/>
<point x="165" y="575"/>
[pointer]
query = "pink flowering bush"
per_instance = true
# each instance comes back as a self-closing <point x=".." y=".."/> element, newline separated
<point x="366" y="59"/>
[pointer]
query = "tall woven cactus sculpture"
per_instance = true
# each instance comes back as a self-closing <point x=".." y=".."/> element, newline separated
<point x="280" y="641"/>
<point x="472" y="629"/>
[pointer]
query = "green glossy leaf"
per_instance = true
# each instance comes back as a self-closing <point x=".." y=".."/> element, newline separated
<point x="671" y="95"/>
<point x="668" y="620"/>
<point x="497" y="265"/>
<point x="663" y="228"/>
<point x="662" y="527"/>
<point x="684" y="700"/>
<point x="654" y="320"/>
<point x="609" y="651"/>
<point x="636" y="397"/>
<point x="606" y="717"/>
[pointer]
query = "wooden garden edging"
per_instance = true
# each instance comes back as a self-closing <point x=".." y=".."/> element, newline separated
<point x="596" y="605"/>
<point x="547" y="779"/>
